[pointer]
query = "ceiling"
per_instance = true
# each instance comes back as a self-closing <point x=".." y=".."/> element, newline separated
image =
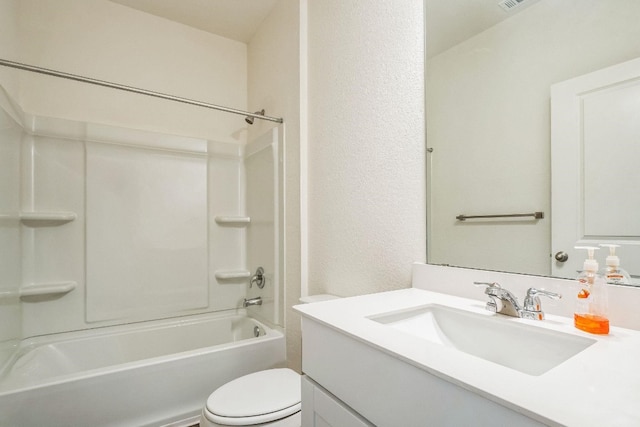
<point x="232" y="19"/>
<point x="448" y="22"/>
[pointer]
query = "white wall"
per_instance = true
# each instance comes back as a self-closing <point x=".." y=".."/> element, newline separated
<point x="366" y="166"/>
<point x="366" y="142"/>
<point x="488" y="123"/>
<point x="274" y="84"/>
<point x="9" y="44"/>
<point x="108" y="41"/>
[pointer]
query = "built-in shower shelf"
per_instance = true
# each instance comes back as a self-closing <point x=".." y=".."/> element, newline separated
<point x="35" y="219"/>
<point x="40" y="289"/>
<point x="233" y="221"/>
<point x="232" y="274"/>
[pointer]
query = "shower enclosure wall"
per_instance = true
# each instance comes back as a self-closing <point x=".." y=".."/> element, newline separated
<point x="103" y="226"/>
<point x="129" y="231"/>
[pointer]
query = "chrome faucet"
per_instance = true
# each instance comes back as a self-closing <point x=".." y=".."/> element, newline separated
<point x="532" y="306"/>
<point x="504" y="302"/>
<point x="501" y="300"/>
<point x="252" y="301"/>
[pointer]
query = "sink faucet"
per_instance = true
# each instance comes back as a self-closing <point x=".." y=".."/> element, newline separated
<point x="252" y="301"/>
<point x="504" y="302"/>
<point x="501" y="300"/>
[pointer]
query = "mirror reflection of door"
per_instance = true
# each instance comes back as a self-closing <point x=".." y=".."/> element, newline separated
<point x="595" y="155"/>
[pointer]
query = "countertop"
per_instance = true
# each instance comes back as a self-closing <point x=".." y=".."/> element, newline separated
<point x="599" y="386"/>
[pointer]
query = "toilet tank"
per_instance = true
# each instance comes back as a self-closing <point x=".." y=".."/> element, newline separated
<point x="317" y="298"/>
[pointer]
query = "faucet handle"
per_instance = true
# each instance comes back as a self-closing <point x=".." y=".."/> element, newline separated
<point x="494" y="305"/>
<point x="532" y="305"/>
<point x="532" y="297"/>
<point x="487" y="284"/>
<point x="258" y="278"/>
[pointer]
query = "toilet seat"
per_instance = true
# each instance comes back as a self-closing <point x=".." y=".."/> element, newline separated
<point x="256" y="398"/>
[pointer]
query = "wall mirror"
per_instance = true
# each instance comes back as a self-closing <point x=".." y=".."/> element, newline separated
<point x="489" y="77"/>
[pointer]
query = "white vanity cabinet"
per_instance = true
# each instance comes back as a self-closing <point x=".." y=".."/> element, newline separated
<point x="422" y="357"/>
<point x="322" y="409"/>
<point x="351" y="383"/>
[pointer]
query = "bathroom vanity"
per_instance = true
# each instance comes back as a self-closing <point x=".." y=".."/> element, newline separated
<point x="416" y="357"/>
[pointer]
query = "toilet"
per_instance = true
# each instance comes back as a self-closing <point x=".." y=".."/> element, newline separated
<point x="266" y="398"/>
<point x="269" y="398"/>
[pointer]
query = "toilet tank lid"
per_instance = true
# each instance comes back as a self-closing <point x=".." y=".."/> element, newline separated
<point x="257" y="394"/>
<point x="317" y="298"/>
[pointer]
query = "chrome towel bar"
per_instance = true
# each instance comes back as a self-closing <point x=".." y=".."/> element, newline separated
<point x="535" y="215"/>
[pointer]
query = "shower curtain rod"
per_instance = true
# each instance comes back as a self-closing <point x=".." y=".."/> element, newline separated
<point x="49" y="72"/>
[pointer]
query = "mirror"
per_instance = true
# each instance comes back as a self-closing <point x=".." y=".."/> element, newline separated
<point x="489" y="121"/>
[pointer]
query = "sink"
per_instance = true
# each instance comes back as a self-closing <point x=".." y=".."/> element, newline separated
<point x="526" y="348"/>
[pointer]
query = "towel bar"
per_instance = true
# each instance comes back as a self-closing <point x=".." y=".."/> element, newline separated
<point x="535" y="215"/>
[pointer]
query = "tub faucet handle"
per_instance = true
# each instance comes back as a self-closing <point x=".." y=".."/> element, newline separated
<point x="258" y="278"/>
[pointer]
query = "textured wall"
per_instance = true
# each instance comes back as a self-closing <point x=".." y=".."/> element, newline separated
<point x="366" y="166"/>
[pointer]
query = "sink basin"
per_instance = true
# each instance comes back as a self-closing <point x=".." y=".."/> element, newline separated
<point x="525" y="348"/>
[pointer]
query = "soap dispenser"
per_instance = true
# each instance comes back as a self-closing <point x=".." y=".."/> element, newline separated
<point x="591" y="300"/>
<point x="613" y="273"/>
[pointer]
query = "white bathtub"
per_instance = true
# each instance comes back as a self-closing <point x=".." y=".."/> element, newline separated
<point x="152" y="374"/>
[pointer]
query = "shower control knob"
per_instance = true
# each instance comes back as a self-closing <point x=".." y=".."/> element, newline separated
<point x="258" y="278"/>
<point x="561" y="256"/>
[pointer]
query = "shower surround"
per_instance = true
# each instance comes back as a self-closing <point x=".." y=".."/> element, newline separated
<point x="107" y="226"/>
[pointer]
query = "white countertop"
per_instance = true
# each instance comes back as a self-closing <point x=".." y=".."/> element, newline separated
<point x="599" y="386"/>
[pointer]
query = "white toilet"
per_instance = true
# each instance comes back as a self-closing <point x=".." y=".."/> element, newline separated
<point x="266" y="398"/>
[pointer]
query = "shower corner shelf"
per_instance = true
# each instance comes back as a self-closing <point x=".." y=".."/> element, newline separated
<point x="233" y="221"/>
<point x="41" y="289"/>
<point x="232" y="274"/>
<point x="34" y="219"/>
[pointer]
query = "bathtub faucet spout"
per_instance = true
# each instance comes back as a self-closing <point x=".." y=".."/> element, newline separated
<point x="252" y="301"/>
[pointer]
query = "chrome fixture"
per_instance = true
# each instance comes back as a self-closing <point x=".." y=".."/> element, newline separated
<point x="504" y="302"/>
<point x="561" y="256"/>
<point x="252" y="301"/>
<point x="258" y="279"/>
<point x="104" y="83"/>
<point x="257" y="331"/>
<point x="532" y="306"/>
<point x="250" y="119"/>
<point x="534" y="215"/>
<point x="501" y="300"/>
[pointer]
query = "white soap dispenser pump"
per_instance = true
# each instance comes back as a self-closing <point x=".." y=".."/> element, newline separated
<point x="612" y="272"/>
<point x="591" y="312"/>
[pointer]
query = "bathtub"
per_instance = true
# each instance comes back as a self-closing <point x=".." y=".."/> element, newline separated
<point x="153" y="374"/>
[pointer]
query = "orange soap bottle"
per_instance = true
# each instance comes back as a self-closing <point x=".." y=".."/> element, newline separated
<point x="591" y="313"/>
